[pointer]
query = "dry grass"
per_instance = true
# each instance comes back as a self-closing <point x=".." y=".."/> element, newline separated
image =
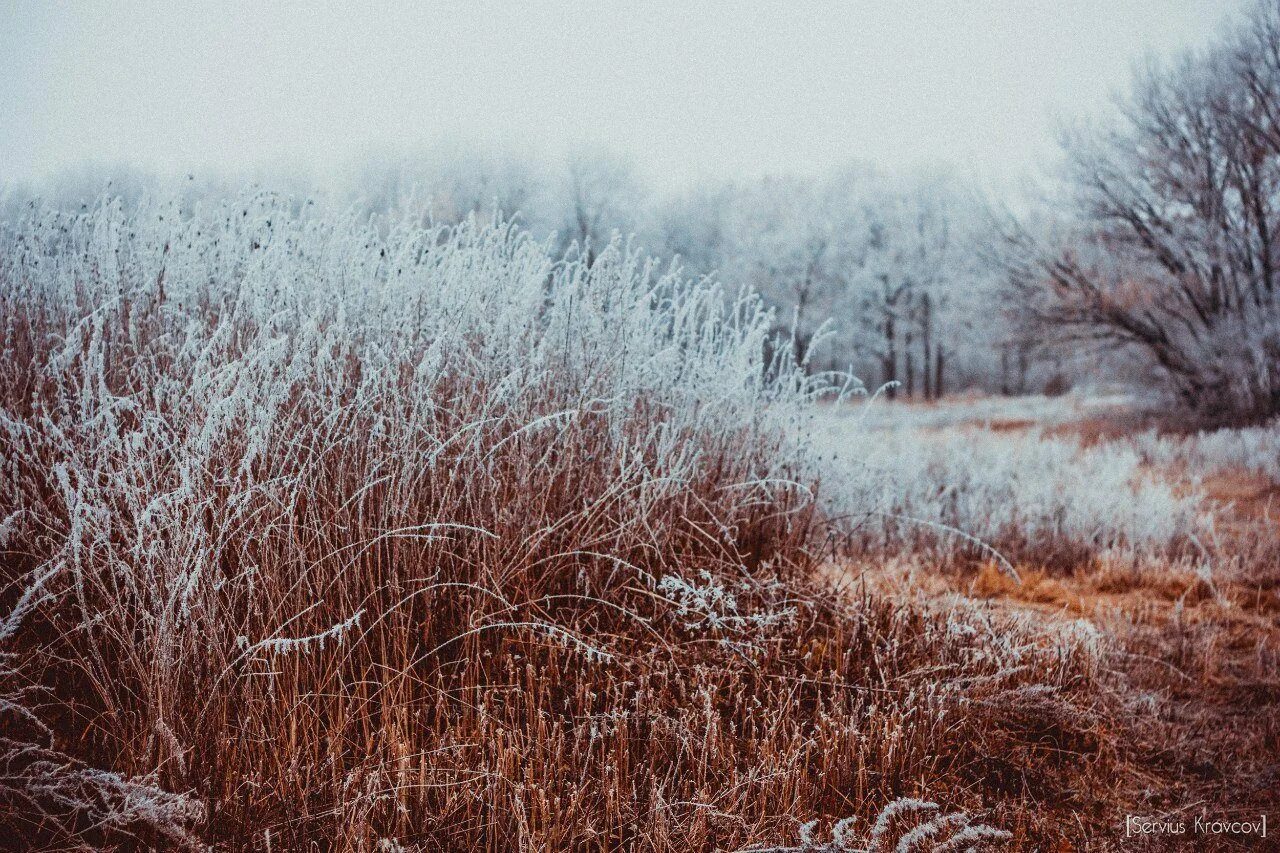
<point x="369" y="537"/>
<point x="325" y="533"/>
<point x="1192" y="661"/>
<point x="1188" y="639"/>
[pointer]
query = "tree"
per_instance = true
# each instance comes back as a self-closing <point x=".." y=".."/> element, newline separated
<point x="912" y="266"/>
<point x="601" y="195"/>
<point x="787" y="242"/>
<point x="450" y="182"/>
<point x="696" y="227"/>
<point x="1171" y="248"/>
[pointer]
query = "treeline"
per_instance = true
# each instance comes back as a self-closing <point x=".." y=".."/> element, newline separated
<point x="867" y="273"/>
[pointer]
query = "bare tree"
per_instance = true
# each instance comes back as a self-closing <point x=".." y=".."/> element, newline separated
<point x="786" y="237"/>
<point x="909" y="269"/>
<point x="602" y="195"/>
<point x="1173" y="246"/>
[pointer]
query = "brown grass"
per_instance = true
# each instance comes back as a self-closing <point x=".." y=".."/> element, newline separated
<point x="288" y="588"/>
<point x="1190" y="662"/>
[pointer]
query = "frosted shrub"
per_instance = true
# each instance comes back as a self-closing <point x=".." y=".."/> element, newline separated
<point x="1250" y="449"/>
<point x="905" y="825"/>
<point x="1021" y="491"/>
<point x="706" y="603"/>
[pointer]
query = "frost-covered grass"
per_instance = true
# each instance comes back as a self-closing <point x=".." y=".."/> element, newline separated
<point x="906" y="824"/>
<point x="1021" y="492"/>
<point x="1248" y="449"/>
<point x="987" y="411"/>
<point x="321" y="530"/>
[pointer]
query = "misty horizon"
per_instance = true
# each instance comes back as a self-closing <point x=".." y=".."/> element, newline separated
<point x="687" y="97"/>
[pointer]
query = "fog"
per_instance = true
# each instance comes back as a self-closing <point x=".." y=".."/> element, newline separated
<point x="687" y="94"/>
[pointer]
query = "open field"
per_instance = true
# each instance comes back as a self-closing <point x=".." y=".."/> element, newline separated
<point x="366" y="536"/>
<point x="1160" y="551"/>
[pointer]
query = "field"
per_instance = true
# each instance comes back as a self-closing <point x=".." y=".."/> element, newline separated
<point x="346" y="533"/>
<point x="1158" y="552"/>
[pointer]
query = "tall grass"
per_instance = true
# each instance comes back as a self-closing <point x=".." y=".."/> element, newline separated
<point x="1021" y="493"/>
<point x="323" y="529"/>
<point x="1251" y="450"/>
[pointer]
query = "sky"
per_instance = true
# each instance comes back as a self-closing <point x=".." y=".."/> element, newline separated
<point x="688" y="92"/>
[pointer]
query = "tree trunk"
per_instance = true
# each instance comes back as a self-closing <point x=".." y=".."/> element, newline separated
<point x="799" y="347"/>
<point x="926" y="345"/>
<point x="799" y="340"/>
<point x="889" y="366"/>
<point x="909" y="358"/>
<point x="938" y="388"/>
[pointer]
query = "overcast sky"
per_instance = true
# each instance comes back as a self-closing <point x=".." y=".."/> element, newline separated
<point x="685" y="90"/>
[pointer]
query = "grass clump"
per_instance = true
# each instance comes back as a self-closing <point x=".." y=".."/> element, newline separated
<point x="321" y="529"/>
